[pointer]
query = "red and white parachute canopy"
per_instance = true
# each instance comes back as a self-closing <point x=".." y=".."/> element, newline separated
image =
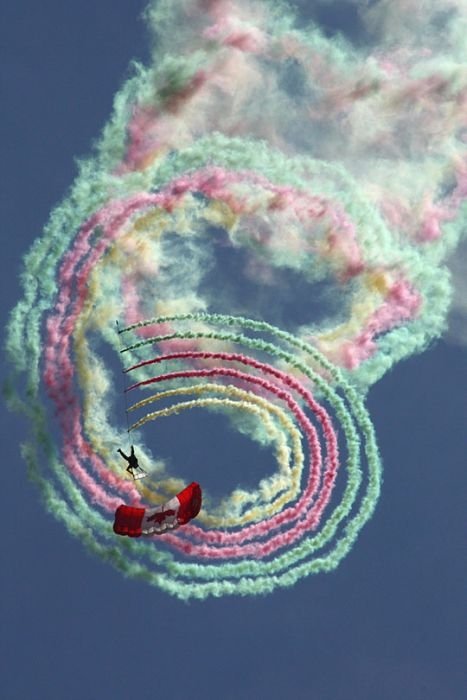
<point x="134" y="522"/>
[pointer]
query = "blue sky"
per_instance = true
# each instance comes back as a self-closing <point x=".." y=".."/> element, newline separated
<point x="387" y="624"/>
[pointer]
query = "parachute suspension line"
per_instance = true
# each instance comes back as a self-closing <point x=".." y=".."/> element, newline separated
<point x="124" y="383"/>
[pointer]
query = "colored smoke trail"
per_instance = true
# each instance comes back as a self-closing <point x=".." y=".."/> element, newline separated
<point x="269" y="213"/>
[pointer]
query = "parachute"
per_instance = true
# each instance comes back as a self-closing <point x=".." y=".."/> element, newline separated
<point x="180" y="509"/>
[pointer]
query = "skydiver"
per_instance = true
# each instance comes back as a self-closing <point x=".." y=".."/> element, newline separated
<point x="132" y="461"/>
